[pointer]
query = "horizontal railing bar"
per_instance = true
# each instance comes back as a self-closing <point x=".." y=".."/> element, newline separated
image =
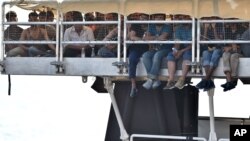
<point x="29" y="23"/>
<point x="29" y="42"/>
<point x="165" y="137"/>
<point x="89" y="22"/>
<point x="158" y="42"/>
<point x="224" y="41"/>
<point x="89" y="42"/>
<point x="154" y="21"/>
<point x="223" y="21"/>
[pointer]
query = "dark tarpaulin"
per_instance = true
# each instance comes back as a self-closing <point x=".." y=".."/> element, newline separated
<point x="158" y="112"/>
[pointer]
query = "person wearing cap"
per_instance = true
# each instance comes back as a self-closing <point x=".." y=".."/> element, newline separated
<point x="211" y="56"/>
<point x="33" y="33"/>
<point x="13" y="32"/>
<point x="152" y="58"/>
<point x="78" y="32"/>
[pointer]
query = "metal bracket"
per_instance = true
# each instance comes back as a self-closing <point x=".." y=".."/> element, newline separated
<point x="122" y="66"/>
<point x="2" y="66"/>
<point x="59" y="65"/>
<point x="84" y="79"/>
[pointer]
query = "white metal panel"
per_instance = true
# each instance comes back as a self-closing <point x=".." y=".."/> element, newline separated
<point x="196" y="8"/>
<point x="29" y="66"/>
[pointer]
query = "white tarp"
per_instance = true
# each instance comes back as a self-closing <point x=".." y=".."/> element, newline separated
<point x="196" y="8"/>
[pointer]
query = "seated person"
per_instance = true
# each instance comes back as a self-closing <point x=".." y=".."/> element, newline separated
<point x="182" y="52"/>
<point x="33" y="33"/>
<point x="135" y="51"/>
<point x="231" y="57"/>
<point x="152" y="58"/>
<point x="78" y="32"/>
<point x="211" y="56"/>
<point x="51" y="31"/>
<point x="13" y="32"/>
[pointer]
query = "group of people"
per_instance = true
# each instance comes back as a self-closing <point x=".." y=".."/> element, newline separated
<point x="152" y="58"/>
<point x="151" y="54"/>
<point x="32" y="33"/>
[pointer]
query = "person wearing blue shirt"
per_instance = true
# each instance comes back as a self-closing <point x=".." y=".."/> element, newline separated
<point x="152" y="58"/>
<point x="180" y="52"/>
<point x="211" y="56"/>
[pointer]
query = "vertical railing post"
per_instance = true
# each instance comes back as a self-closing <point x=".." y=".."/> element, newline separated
<point x="193" y="44"/>
<point x="198" y="60"/>
<point x="212" y="134"/>
<point x="1" y="35"/>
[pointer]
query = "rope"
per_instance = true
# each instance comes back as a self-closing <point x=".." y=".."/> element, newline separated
<point x="9" y="89"/>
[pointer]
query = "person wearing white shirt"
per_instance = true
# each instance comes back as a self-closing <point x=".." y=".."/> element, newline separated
<point x="78" y="32"/>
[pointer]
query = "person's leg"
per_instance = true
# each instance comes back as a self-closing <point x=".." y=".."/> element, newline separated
<point x="156" y="64"/>
<point x="214" y="62"/>
<point x="226" y="65"/>
<point x="171" y="66"/>
<point x="68" y="52"/>
<point x="234" y="60"/>
<point x="227" y="69"/>
<point x="33" y="51"/>
<point x="147" y="59"/>
<point x="134" y="58"/>
<point x="213" y="65"/>
<point x="171" y="71"/>
<point x="18" y="51"/>
<point x="157" y="60"/>
<point x="187" y="56"/>
<point x="206" y="57"/>
<point x="232" y="76"/>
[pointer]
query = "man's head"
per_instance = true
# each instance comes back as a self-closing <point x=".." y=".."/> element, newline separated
<point x="42" y="16"/>
<point x="11" y="16"/>
<point x="50" y="16"/>
<point x="77" y="16"/>
<point x="144" y="17"/>
<point x="33" y="17"/>
<point x="159" y="16"/>
<point x="111" y="16"/>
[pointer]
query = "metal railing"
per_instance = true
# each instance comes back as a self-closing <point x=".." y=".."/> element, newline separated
<point x="165" y="137"/>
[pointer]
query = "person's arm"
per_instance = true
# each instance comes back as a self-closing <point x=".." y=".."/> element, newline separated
<point x="111" y="34"/>
<point x="46" y="37"/>
<point x="91" y="37"/>
<point x="204" y="36"/>
<point x="133" y="36"/>
<point x="67" y="37"/>
<point x="23" y="37"/>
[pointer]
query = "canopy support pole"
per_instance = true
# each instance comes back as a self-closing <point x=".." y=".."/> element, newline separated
<point x="110" y="88"/>
<point x="212" y="134"/>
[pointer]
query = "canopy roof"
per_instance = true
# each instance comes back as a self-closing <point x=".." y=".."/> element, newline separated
<point x="196" y="8"/>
